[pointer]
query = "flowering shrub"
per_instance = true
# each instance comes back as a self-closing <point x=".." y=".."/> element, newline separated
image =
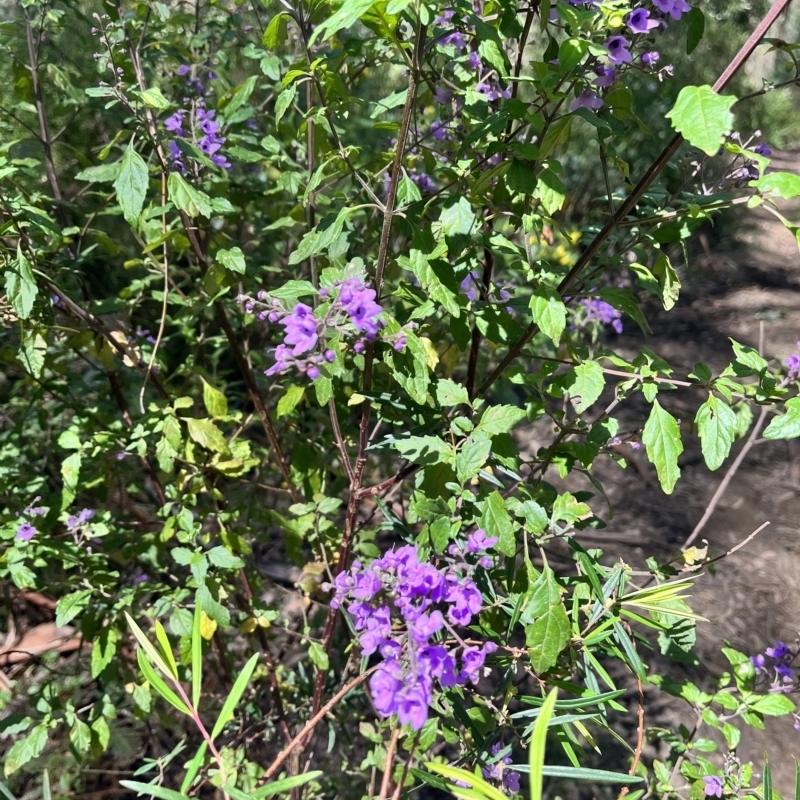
<point x="290" y="288"/>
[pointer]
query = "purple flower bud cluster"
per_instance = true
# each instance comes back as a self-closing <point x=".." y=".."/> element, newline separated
<point x="80" y="520"/>
<point x="204" y="131"/>
<point x="26" y="530"/>
<point x="596" y="310"/>
<point x="472" y="288"/>
<point x="495" y="771"/>
<point x="350" y="312"/>
<point x="774" y="666"/>
<point x="400" y="606"/>
<point x="792" y="364"/>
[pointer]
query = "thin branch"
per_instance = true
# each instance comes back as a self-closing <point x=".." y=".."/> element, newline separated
<point x="386" y="783"/>
<point x="748" y="445"/>
<point x="313" y="722"/>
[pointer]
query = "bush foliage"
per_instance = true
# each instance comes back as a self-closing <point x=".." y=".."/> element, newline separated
<point x="287" y="288"/>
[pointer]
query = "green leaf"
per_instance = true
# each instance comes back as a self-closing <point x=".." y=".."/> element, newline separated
<point x="410" y="368"/>
<point x="186" y="198"/>
<point x="241" y="96"/>
<point x="70" y="474"/>
<point x="32" y="352"/>
<point x="449" y="393"/>
<point x="153" y="98"/>
<point x="551" y="191"/>
<point x="496" y="521"/>
<point x="549" y="312"/>
<point x="471" y="458"/>
<point x="425" y="450"/>
<point x="166" y="650"/>
<point x="748" y="357"/>
<point x="221" y="557"/>
<point x="104" y="649"/>
<point x="131" y="185"/>
<point x="293" y="290"/>
<point x="662" y="438"/>
<point x="80" y="736"/>
<point x="668" y="281"/>
<point x="193" y="767"/>
<point x="780" y="184"/>
<point x="277" y="787"/>
<point x="213" y="608"/>
<point x="773" y="705"/>
<point x="157" y="682"/>
<point x="215" y="402"/>
<point x="26" y="749"/>
<point x="197" y="655"/>
<point x="786" y="426"/>
<point x="500" y="419"/>
<point x="696" y="26"/>
<point x="538" y="744"/>
<point x="557" y="134"/>
<point x="70" y="605"/>
<point x="235" y="696"/>
<point x="288" y="403"/>
<point x="435" y="276"/>
<point x="478" y="789"/>
<point x="153" y="790"/>
<point x="21" y="286"/>
<point x="206" y="434"/>
<point x="458" y="222"/>
<point x="520" y="178"/>
<point x="702" y="117"/>
<point x="284" y="101"/>
<point x="585" y="382"/>
<point x="275" y="33"/>
<point x="318" y="656"/>
<point x="232" y="259"/>
<point x="102" y="173"/>
<point x="348" y="14"/>
<point x="547" y="630"/>
<point x="716" y="424"/>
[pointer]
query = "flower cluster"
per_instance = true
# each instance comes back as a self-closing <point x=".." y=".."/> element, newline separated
<point x="472" y="288"/>
<point x="495" y="771"/>
<point x="746" y="169"/>
<point x="349" y="311"/>
<point x="26" y="530"/>
<point x="401" y="606"/>
<point x="596" y="310"/>
<point x="640" y="21"/>
<point x="204" y="131"/>
<point x="774" y="665"/>
<point x="792" y="364"/>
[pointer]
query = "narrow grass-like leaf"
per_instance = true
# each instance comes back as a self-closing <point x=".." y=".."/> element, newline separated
<point x="767" y="780"/>
<point x="157" y="682"/>
<point x="581" y="774"/>
<point x="197" y="655"/>
<point x="276" y="787"/>
<point x="235" y="696"/>
<point x="575" y="702"/>
<point x="152" y="653"/>
<point x="193" y="767"/>
<point x="161" y="792"/>
<point x="46" y="795"/>
<point x="480" y="788"/>
<point x="538" y="742"/>
<point x="5" y="792"/>
<point x="166" y="650"/>
<point x="796" y="779"/>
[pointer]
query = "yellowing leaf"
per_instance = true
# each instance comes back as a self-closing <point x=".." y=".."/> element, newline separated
<point x="208" y="627"/>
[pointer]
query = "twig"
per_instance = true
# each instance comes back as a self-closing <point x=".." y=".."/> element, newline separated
<point x="313" y="722"/>
<point x="748" y="445"/>
<point x="729" y="552"/>
<point x="386" y="783"/>
<point x="637" y="753"/>
<point x="398" y="790"/>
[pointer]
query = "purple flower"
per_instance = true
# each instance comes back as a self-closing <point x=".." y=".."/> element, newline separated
<point x="779" y="651"/>
<point x="400" y="344"/>
<point x="313" y="373"/>
<point x="605" y="76"/>
<point x="763" y="149"/>
<point x="784" y="671"/>
<point x="183" y="70"/>
<point x="301" y="329"/>
<point x="639" y="21"/>
<point x="792" y="364"/>
<point x="442" y="96"/>
<point x="587" y="99"/>
<point x="474" y="61"/>
<point x="470" y="286"/>
<point x="385" y="687"/>
<point x="757" y="661"/>
<point x="510" y="780"/>
<point x="673" y="8"/>
<point x="618" y="52"/>
<point x="174" y="123"/>
<point x="364" y="312"/>
<point x="714" y="784"/>
<point x="602" y="312"/>
<point x="423" y="181"/>
<point x="25" y="532"/>
<point x="480" y="541"/>
<point x="74" y="522"/>
<point x="650" y="58"/>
